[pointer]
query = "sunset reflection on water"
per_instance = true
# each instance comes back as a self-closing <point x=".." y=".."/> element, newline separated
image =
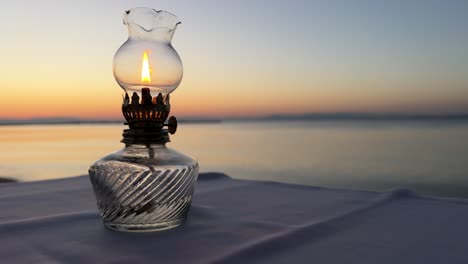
<point x="364" y="155"/>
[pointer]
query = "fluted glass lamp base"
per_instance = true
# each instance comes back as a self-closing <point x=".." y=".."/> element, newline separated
<point x="144" y="188"/>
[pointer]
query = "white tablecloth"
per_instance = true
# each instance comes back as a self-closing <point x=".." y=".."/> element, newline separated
<point x="236" y="221"/>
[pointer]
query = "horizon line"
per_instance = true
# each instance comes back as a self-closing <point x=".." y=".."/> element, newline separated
<point x="338" y="116"/>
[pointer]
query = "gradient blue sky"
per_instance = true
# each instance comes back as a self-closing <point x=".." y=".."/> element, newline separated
<point x="244" y="57"/>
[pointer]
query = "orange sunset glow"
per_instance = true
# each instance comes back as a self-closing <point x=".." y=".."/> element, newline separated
<point x="231" y="72"/>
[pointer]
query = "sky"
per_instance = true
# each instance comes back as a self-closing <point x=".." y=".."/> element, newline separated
<point x="243" y="57"/>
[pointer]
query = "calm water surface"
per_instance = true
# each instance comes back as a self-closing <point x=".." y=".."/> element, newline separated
<point x="428" y="157"/>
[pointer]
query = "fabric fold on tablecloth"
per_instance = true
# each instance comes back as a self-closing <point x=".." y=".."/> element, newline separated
<point x="237" y="221"/>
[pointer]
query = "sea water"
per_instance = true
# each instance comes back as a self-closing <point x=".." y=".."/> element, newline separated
<point x="428" y="157"/>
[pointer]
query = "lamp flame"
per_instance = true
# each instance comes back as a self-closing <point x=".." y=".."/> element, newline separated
<point x="145" y="69"/>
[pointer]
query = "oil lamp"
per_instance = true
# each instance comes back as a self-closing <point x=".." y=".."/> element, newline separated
<point x="146" y="186"/>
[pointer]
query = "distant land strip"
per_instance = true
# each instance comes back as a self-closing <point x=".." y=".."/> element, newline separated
<point x="40" y="121"/>
<point x="368" y="116"/>
<point x="274" y="117"/>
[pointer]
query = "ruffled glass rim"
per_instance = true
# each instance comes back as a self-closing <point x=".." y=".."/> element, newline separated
<point x="149" y="19"/>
